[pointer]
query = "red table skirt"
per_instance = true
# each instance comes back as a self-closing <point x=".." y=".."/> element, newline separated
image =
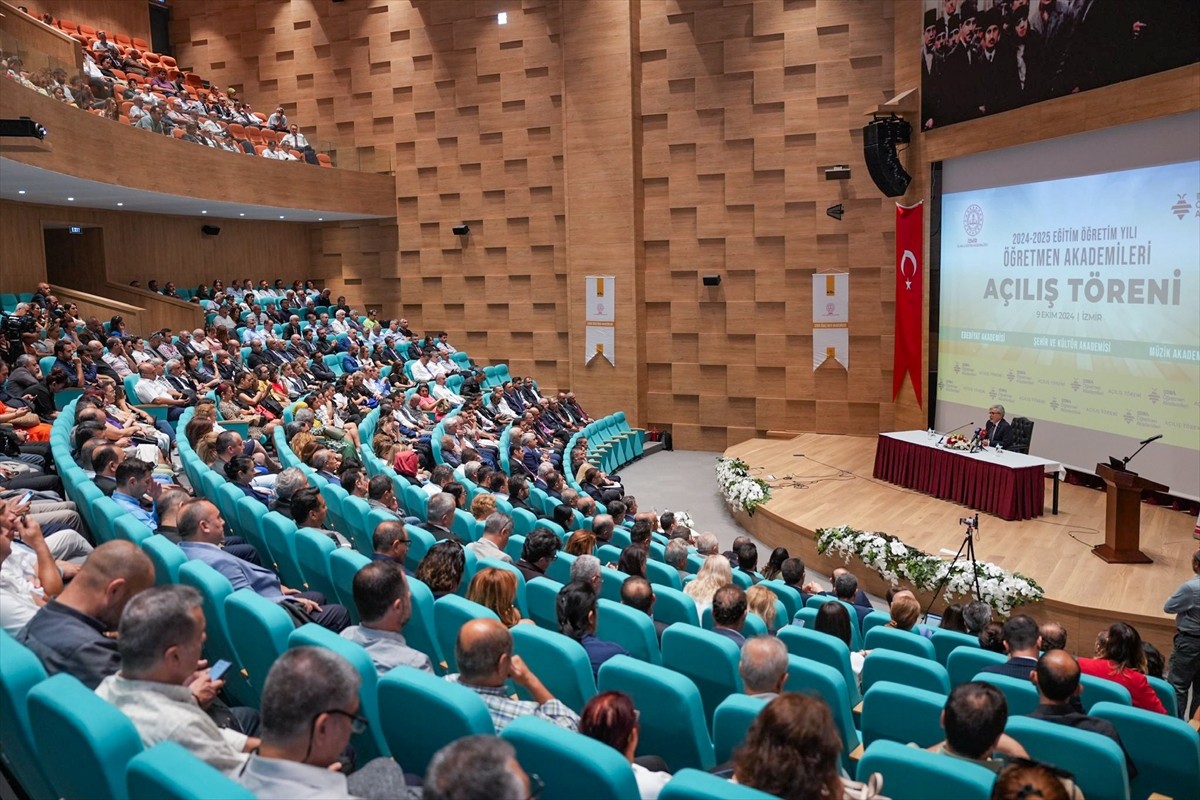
<point x="948" y="475"/>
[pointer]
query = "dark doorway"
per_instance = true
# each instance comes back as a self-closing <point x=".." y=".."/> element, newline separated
<point x="75" y="257"/>
<point x="160" y="28"/>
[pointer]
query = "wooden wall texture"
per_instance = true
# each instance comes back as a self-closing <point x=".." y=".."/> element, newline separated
<point x="130" y="17"/>
<point x="685" y="137"/>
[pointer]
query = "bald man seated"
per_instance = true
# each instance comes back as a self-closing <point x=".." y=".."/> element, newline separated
<point x="68" y="634"/>
<point x="484" y="653"/>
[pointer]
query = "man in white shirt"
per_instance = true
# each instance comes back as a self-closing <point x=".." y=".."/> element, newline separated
<point x="151" y="388"/>
<point x="275" y="153"/>
<point x="294" y="139"/>
<point x="421" y="371"/>
<point x="497" y="528"/>
<point x="137" y="110"/>
<point x="20" y="595"/>
<point x="382" y="596"/>
<point x="440" y="391"/>
<point x="118" y="359"/>
<point x="253" y="333"/>
<point x="278" y="121"/>
<point x="160" y="638"/>
<point x="102" y="44"/>
<point x="338" y="326"/>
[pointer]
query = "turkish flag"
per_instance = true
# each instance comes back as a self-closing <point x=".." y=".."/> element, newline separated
<point x="909" y="296"/>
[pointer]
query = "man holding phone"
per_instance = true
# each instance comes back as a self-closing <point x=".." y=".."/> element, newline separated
<point x="23" y="590"/>
<point x="160" y="638"/>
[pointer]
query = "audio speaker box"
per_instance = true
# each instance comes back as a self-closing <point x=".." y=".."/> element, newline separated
<point x="880" y="137"/>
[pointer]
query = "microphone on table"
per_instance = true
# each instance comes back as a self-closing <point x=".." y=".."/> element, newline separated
<point x="947" y="433"/>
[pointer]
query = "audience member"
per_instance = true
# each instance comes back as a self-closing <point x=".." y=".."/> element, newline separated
<point x="1022" y="643"/>
<point x="496" y="589"/>
<point x="729" y="609"/>
<point x="791" y="572"/>
<point x="484" y="653"/>
<point x="761" y="601"/>
<point x="764" y="666"/>
<point x="991" y="638"/>
<point x="774" y="567"/>
<point x="834" y="619"/>
<point x="638" y="593"/>
<point x="974" y="718"/>
<point x="952" y="619"/>
<point x="1184" y="669"/>
<point x="384" y="604"/>
<point x="576" y="608"/>
<point x="539" y="551"/>
<point x="976" y="615"/>
<point x="24" y="588"/>
<point x="496" y="531"/>
<point x="1123" y="661"/>
<point x="714" y="574"/>
<point x="1054" y="636"/>
<point x="1023" y="781"/>
<point x="610" y="717"/>
<point x="442" y="568"/>
<point x="477" y="768"/>
<point x="390" y="542"/>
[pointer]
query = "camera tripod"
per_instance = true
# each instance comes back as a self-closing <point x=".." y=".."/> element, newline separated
<point x="968" y="547"/>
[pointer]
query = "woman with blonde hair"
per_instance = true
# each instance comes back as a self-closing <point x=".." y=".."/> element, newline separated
<point x="714" y="574"/>
<point x="761" y="600"/>
<point x="496" y="589"/>
<point x="905" y="610"/>
<point x="483" y="506"/>
<point x="581" y="543"/>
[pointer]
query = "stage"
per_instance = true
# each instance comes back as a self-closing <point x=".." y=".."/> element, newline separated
<point x="824" y="481"/>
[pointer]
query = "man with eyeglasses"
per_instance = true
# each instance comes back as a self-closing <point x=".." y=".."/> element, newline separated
<point x="310" y="708"/>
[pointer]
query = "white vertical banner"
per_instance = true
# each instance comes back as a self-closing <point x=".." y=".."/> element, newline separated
<point x="600" y="298"/>
<point x="831" y="318"/>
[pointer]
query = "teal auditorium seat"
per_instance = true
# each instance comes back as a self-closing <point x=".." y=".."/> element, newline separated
<point x="541" y="595"/>
<point x="964" y="663"/>
<point x="1165" y="749"/>
<point x="709" y="659"/>
<point x="450" y="613"/>
<point x="559" y="661"/>
<point x="567" y="761"/>
<point x="84" y="743"/>
<point x="918" y="673"/>
<point x="1095" y="760"/>
<point x="168" y="771"/>
<point x="20" y="671"/>
<point x="630" y="628"/>
<point x="370" y="743"/>
<point x="913" y="774"/>
<point x="1100" y="690"/>
<point x="279" y="533"/>
<point x="672" y="605"/>
<point x="731" y="721"/>
<point x="823" y="649"/>
<point x="313" y="548"/>
<point x="1166" y="694"/>
<point x="446" y="712"/>
<point x="259" y="630"/>
<point x="786" y="595"/>
<point x="825" y="682"/>
<point x="899" y="713"/>
<point x="874" y="620"/>
<point x="343" y="566"/>
<point x="903" y="641"/>
<point x="672" y="716"/>
<point x="166" y="557"/>
<point x="421" y="630"/>
<point x="694" y="784"/>
<point x="214" y="588"/>
<point x="944" y="643"/>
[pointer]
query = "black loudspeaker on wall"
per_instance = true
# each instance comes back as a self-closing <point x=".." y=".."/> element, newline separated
<point x="712" y="280"/>
<point x="210" y="230"/>
<point x="880" y="137"/>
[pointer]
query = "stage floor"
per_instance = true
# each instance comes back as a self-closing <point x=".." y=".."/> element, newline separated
<point x="823" y="481"/>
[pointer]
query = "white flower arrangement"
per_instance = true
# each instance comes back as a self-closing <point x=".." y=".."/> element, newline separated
<point x="685" y="519"/>
<point x="895" y="561"/>
<point x="742" y="491"/>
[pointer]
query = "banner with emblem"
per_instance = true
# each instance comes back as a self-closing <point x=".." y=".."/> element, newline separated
<point x="909" y="297"/>
<point x="600" y="318"/>
<point x="831" y="318"/>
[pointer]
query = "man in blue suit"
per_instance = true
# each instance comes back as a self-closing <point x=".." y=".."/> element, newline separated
<point x="201" y="532"/>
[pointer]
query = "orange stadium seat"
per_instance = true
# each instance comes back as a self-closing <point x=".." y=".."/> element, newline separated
<point x="125" y="120"/>
<point x="68" y="26"/>
<point x="262" y="118"/>
<point x="79" y="38"/>
<point x="177" y="133"/>
<point x="168" y="61"/>
<point x="192" y="79"/>
<point x="269" y="135"/>
<point x="125" y="106"/>
<point x="140" y="44"/>
<point x="237" y="131"/>
<point x="258" y="149"/>
<point x="255" y="136"/>
<point x="172" y="73"/>
<point x="296" y="154"/>
<point x="119" y="75"/>
<point x="87" y="30"/>
<point x="324" y="160"/>
<point x="122" y="39"/>
<point x="150" y="60"/>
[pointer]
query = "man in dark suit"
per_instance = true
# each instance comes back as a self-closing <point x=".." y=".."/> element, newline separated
<point x="1022" y="640"/>
<point x="637" y="593"/>
<point x="105" y="461"/>
<point x="1057" y="680"/>
<point x="440" y="514"/>
<point x="540" y="549"/>
<point x="729" y="610"/>
<point x="998" y="431"/>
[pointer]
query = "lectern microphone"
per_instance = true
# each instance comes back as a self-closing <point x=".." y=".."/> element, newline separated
<point x="956" y="430"/>
<point x="1154" y="438"/>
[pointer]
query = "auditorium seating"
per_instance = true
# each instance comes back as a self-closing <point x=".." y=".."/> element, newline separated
<point x="566" y="761"/>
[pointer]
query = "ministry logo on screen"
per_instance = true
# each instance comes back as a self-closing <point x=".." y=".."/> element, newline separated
<point x="973" y="220"/>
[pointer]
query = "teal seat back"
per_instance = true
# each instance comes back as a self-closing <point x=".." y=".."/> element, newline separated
<point x="218" y="644"/>
<point x="824" y="649"/>
<point x="415" y="501"/>
<point x="84" y="742"/>
<point x="898" y="713"/>
<point x="450" y="613"/>
<point x="463" y="526"/>
<point x="515" y="546"/>
<point x="420" y="542"/>
<point x="1166" y="694"/>
<point x="560" y="568"/>
<point x="250" y="515"/>
<point x="661" y="574"/>
<point x="806" y="618"/>
<point x="355" y="525"/>
<point x="168" y="771"/>
<point x="709" y="659"/>
<point x="810" y="677"/>
<point x="259" y="630"/>
<point x="672" y="716"/>
<point x="944" y="643"/>
<point x="523" y="521"/>
<point x="1165" y="749"/>
<point x="1022" y="697"/>
<point x="695" y="784"/>
<point x="446" y="712"/>
<point x="559" y="661"/>
<point x="280" y="533"/>
<point x="313" y="550"/>
<point x="1095" y="760"/>
<point x="335" y="498"/>
<point x="904" y="668"/>
<point x="630" y="628"/>
<point x="786" y="595"/>
<point x="672" y="605"/>
<point x="541" y="595"/>
<point x="343" y="566"/>
<point x="731" y="721"/>
<point x="902" y="641"/>
<point x="166" y="557"/>
<point x="20" y="671"/>
<point x="103" y="520"/>
<point x="370" y="743"/>
<point x="912" y="774"/>
<point x="964" y="663"/>
<point x="1101" y="690"/>
<point x="567" y="761"/>
<point x="608" y="554"/>
<point x="421" y="630"/>
<point x="874" y="620"/>
<point x="611" y="583"/>
<point x="130" y="529"/>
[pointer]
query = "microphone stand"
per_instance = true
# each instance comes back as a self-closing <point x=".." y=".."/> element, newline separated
<point x="947" y="433"/>
<point x="1127" y="459"/>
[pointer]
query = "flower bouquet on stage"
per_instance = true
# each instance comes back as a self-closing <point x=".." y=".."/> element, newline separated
<point x="956" y="441"/>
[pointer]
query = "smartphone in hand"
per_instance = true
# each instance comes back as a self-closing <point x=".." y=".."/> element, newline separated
<point x="219" y="669"/>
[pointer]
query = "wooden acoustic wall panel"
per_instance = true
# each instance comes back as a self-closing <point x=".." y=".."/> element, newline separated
<point x="40" y="46"/>
<point x="743" y="105"/>
<point x="468" y="116"/>
<point x="130" y="17"/>
<point x="145" y="246"/>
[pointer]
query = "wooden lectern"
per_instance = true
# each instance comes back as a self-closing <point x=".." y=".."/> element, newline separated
<point x="1123" y="516"/>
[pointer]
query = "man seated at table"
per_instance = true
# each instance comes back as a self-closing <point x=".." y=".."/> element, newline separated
<point x="998" y="432"/>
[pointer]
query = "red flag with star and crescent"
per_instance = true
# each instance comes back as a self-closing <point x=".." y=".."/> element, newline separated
<point x="909" y="296"/>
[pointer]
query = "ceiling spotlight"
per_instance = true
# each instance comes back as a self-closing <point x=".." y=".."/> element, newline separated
<point x="320" y="219"/>
<point x="502" y="18"/>
<point x="242" y="214"/>
<point x="836" y="211"/>
<point x="204" y="212"/>
<point x="120" y="204"/>
<point x="70" y="199"/>
<point x="20" y="191"/>
<point x="281" y="216"/>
